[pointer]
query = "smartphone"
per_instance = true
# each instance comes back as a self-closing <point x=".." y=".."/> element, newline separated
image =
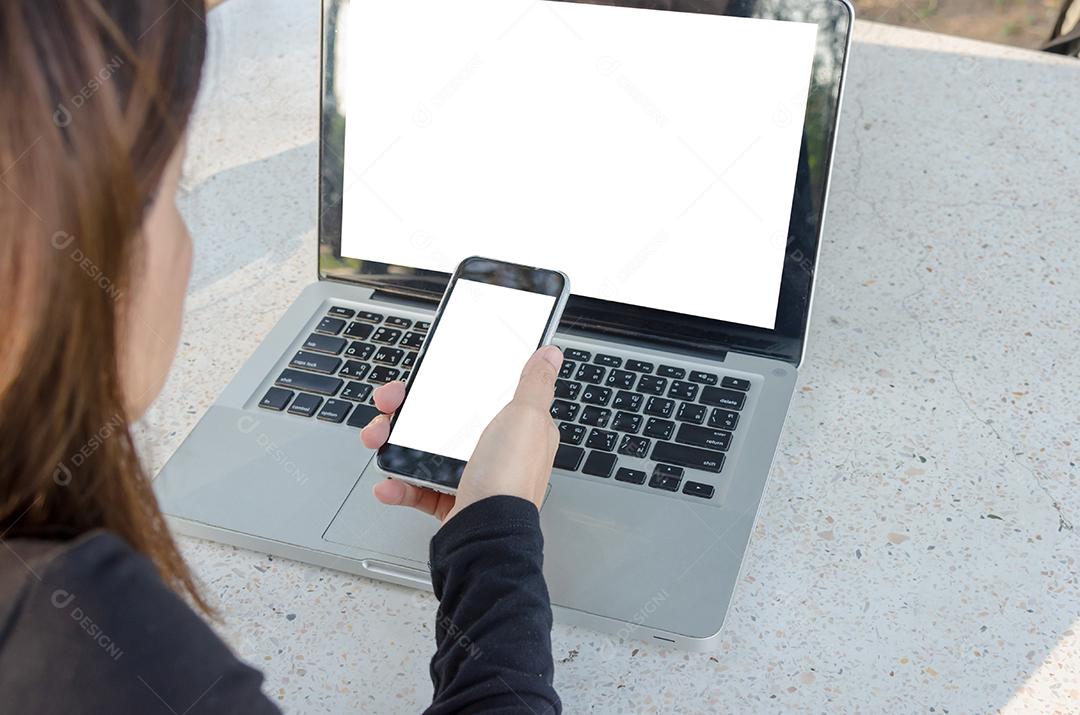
<point x="492" y="317"/>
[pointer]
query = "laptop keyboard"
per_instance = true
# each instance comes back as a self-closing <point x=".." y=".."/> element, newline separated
<point x="333" y="375"/>
<point x="614" y="414"/>
<point x="659" y="426"/>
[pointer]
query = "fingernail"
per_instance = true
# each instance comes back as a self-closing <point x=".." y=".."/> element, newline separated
<point x="553" y="355"/>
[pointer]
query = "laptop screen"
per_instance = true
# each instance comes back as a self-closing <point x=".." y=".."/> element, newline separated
<point x="649" y="155"/>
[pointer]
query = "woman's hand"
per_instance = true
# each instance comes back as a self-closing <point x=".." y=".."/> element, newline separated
<point x="514" y="454"/>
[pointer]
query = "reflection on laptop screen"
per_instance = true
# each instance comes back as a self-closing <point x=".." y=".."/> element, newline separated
<point x="650" y="155"/>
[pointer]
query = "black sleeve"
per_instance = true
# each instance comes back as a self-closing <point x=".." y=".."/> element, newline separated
<point x="493" y="626"/>
<point x="100" y="632"/>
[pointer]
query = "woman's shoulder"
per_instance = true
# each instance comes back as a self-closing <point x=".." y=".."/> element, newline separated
<point x="97" y="571"/>
<point x="91" y="618"/>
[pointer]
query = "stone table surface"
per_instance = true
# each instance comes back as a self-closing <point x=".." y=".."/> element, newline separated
<point x="918" y="548"/>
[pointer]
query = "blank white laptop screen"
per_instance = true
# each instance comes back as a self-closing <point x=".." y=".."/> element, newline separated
<point x="650" y="155"/>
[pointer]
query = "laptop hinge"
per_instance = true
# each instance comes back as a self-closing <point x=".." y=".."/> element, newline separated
<point x="409" y="300"/>
<point x="577" y="326"/>
<point x="593" y="329"/>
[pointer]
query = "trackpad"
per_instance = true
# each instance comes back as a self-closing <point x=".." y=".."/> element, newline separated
<point x="365" y="524"/>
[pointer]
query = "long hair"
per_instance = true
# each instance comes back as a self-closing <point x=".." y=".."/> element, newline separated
<point x="95" y="96"/>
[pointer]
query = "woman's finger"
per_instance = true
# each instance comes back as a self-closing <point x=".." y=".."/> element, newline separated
<point x="537" y="384"/>
<point x="395" y="493"/>
<point x="375" y="432"/>
<point x="389" y="397"/>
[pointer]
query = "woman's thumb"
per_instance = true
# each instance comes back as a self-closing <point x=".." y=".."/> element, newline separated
<point x="537" y="384"/>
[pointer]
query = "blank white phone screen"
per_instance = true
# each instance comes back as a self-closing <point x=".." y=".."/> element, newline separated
<point x="471" y="367"/>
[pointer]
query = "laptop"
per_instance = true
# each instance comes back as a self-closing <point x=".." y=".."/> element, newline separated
<point x="672" y="157"/>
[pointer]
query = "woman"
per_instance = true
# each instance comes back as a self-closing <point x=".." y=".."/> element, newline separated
<point x="95" y="96"/>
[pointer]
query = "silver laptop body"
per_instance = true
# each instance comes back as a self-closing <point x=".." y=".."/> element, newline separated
<point x="651" y="550"/>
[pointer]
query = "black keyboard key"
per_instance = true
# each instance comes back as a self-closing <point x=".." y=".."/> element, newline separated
<point x="659" y="407"/>
<point x="590" y="373"/>
<point x="668" y="470"/>
<point x="326" y="364"/>
<point x="566" y="390"/>
<point x="405" y="375"/>
<point x="578" y="355"/>
<point x="736" y="383"/>
<point x="627" y="401"/>
<point x="413" y="340"/>
<point x="692" y="457"/>
<point x="621" y="379"/>
<point x="309" y="382"/>
<point x="723" y="419"/>
<point x="600" y="464"/>
<point x="355" y="369"/>
<point x="634" y="446"/>
<point x="568" y="457"/>
<point x="607" y="360"/>
<point x="663" y="481"/>
<point x="627" y="422"/>
<point x="359" y="331"/>
<point x="697" y="489"/>
<point x="690" y="412"/>
<point x="387" y="336"/>
<point x="567" y="369"/>
<point x="330" y="326"/>
<point x="562" y="410"/>
<point x="335" y="411"/>
<point x="652" y="385"/>
<point x="595" y="416"/>
<point x="683" y="390"/>
<point x="359" y="351"/>
<point x="721" y="397"/>
<point x="361" y="415"/>
<point x="660" y="429"/>
<point x="570" y="433"/>
<point x="388" y="356"/>
<point x="369" y="317"/>
<point x="340" y="312"/>
<point x="593" y="395"/>
<point x="325" y="344"/>
<point x="668" y="371"/>
<point x="354" y="390"/>
<point x="409" y="360"/>
<point x="305" y="405"/>
<point x="639" y="366"/>
<point x="602" y="439"/>
<point x="703" y="437"/>
<point x="422" y="326"/>
<point x="397" y="322"/>
<point x="633" y="476"/>
<point x="275" y="399"/>
<point x="705" y="378"/>
<point x="382" y="374"/>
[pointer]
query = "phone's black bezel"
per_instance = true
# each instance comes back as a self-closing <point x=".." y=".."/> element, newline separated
<point x="679" y="331"/>
<point x="440" y="470"/>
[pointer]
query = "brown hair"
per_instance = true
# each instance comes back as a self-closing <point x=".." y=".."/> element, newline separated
<point x="95" y="98"/>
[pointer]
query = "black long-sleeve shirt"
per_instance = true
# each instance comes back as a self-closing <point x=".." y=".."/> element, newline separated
<point x="87" y="626"/>
<point x="493" y="627"/>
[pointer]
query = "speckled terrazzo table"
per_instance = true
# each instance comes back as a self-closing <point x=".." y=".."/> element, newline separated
<point x="916" y="551"/>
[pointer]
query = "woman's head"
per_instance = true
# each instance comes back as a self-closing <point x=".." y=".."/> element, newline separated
<point x="94" y="261"/>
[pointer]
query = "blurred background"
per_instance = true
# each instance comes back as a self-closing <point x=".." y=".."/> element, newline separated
<point x="1035" y="24"/>
<point x="1024" y="23"/>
